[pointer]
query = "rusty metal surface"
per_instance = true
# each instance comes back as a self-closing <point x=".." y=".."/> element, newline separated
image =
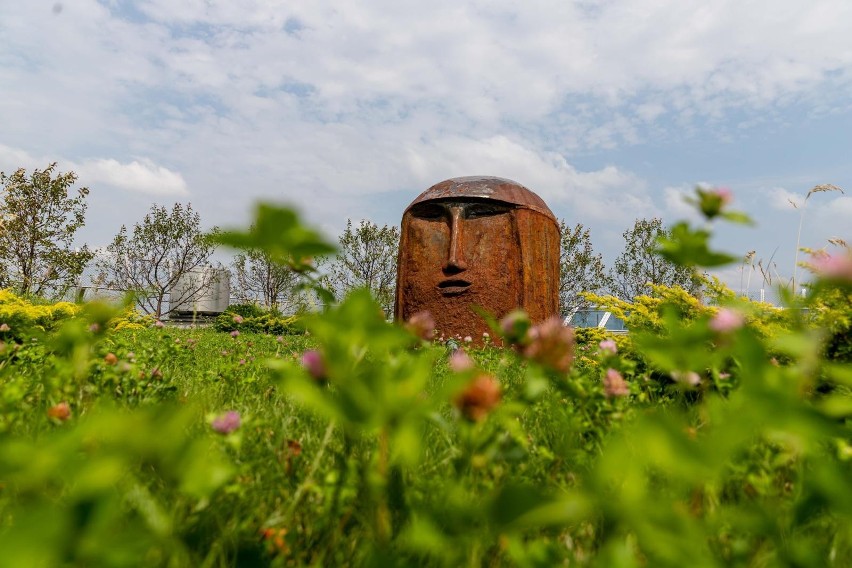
<point x="485" y="187"/>
<point x="481" y="242"/>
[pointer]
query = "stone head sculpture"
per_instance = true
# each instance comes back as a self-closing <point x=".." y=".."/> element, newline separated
<point x="477" y="242"/>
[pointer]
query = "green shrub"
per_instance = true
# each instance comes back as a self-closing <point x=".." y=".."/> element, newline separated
<point x="253" y="319"/>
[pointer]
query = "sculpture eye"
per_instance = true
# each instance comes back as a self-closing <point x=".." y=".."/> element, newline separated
<point x="477" y="210"/>
<point x="428" y="211"/>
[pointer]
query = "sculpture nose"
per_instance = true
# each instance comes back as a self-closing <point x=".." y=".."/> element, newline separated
<point x="455" y="255"/>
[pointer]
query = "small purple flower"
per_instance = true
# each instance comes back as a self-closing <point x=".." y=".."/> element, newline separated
<point x="94" y="328"/>
<point x="242" y="361"/>
<point x="608" y="347"/>
<point x="614" y="384"/>
<point x="235" y="334"/>
<point x="227" y="422"/>
<point x="313" y="364"/>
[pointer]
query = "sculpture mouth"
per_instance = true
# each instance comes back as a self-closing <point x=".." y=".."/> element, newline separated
<point x="453" y="287"/>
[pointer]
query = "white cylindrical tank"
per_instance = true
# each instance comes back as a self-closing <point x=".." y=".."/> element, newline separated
<point x="204" y="290"/>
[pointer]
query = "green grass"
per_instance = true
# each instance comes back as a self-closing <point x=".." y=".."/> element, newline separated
<point x="377" y="466"/>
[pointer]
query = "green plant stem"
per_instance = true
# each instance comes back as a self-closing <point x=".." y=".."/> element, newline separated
<point x="297" y="497"/>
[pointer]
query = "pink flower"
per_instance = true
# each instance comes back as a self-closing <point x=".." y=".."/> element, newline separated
<point x="468" y="339"/>
<point x="724" y="194"/>
<point x="314" y="365"/>
<point x="238" y="319"/>
<point x="479" y="398"/>
<point x="422" y="325"/>
<point x="235" y="334"/>
<point x="94" y="328"/>
<point x="227" y="422"/>
<point x="280" y="339"/>
<point x="159" y="325"/>
<point x="832" y="266"/>
<point x="614" y="384"/>
<point x="5" y="327"/>
<point x="551" y="344"/>
<point x="460" y="361"/>
<point x="727" y="320"/>
<point x="608" y="347"/>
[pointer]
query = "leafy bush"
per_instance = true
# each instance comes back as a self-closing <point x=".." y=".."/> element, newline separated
<point x="252" y="318"/>
<point x="247" y="310"/>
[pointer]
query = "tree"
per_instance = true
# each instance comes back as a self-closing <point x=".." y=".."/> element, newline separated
<point x="366" y="259"/>
<point x="258" y="278"/>
<point x="639" y="263"/>
<point x="580" y="269"/>
<point x="165" y="248"/>
<point x="38" y="220"/>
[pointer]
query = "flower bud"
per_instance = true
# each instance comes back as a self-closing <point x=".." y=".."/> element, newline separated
<point x="314" y="365"/>
<point x="479" y="398"/>
<point x="711" y="202"/>
<point x="60" y="411"/>
<point x="551" y="344"/>
<point x="516" y="327"/>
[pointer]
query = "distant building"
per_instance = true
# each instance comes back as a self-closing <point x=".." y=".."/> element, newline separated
<point x="596" y="318"/>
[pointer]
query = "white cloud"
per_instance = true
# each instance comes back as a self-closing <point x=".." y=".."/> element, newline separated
<point x="142" y="176"/>
<point x="344" y="106"/>
<point x="674" y="199"/>
<point x="783" y="199"/>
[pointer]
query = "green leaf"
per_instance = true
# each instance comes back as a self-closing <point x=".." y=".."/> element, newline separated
<point x="688" y="247"/>
<point x="278" y="232"/>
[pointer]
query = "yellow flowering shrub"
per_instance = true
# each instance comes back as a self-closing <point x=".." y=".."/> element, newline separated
<point x="18" y="313"/>
<point x="131" y="319"/>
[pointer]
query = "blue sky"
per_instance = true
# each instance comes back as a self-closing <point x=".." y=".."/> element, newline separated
<point x="610" y="110"/>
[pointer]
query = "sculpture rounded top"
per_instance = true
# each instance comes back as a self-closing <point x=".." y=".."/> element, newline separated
<point x="485" y="187"/>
